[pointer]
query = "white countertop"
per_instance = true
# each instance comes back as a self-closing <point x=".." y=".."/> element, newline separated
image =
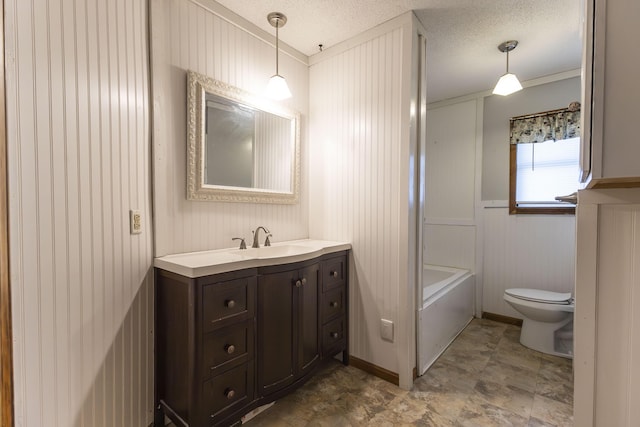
<point x="204" y="263"/>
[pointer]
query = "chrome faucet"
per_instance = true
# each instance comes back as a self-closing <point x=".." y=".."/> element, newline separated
<point x="256" y="244"/>
<point x="243" y="245"/>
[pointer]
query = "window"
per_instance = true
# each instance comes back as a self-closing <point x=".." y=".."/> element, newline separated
<point x="544" y="153"/>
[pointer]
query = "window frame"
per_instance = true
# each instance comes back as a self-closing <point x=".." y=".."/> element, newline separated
<point x="514" y="209"/>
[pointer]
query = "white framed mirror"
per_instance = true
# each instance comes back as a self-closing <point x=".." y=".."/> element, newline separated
<point x="240" y="148"/>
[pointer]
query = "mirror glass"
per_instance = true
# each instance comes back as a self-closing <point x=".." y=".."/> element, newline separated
<point x="241" y="148"/>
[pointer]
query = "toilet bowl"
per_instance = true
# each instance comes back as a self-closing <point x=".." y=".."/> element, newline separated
<point x="548" y="319"/>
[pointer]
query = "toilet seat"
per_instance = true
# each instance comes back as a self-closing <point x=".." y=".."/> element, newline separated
<point x="538" y="295"/>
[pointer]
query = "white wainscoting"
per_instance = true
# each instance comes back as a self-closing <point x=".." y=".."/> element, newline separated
<point x="360" y="180"/>
<point x="606" y="331"/>
<point x="79" y="144"/>
<point x="525" y="251"/>
<point x="202" y="36"/>
<point x="618" y="307"/>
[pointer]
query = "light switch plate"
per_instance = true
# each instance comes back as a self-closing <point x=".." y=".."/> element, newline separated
<point x="135" y="221"/>
<point x="386" y="329"/>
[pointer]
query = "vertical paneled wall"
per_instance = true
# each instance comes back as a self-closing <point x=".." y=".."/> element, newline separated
<point x="525" y="251"/>
<point x="355" y="189"/>
<point x="618" y="304"/>
<point x="78" y="141"/>
<point x="607" y="331"/>
<point x="202" y="36"/>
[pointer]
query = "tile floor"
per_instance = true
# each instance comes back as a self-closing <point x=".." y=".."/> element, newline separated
<point x="485" y="378"/>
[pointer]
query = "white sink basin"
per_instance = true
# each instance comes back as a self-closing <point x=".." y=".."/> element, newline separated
<point x="266" y="252"/>
<point x="198" y="264"/>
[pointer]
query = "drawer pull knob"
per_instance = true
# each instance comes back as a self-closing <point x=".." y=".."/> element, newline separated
<point x="298" y="283"/>
<point x="229" y="393"/>
<point x="334" y="304"/>
<point x="334" y="274"/>
<point x="230" y="303"/>
<point x="230" y="348"/>
<point x="334" y="335"/>
<point x="304" y="280"/>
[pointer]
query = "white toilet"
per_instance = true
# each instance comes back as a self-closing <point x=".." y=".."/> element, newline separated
<point x="548" y="319"/>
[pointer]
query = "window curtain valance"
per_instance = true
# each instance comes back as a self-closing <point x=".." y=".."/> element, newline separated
<point x="547" y="126"/>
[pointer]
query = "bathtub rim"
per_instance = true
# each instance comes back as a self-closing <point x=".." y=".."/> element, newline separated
<point x="457" y="276"/>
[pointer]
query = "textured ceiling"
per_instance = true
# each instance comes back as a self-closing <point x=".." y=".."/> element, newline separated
<point x="462" y="35"/>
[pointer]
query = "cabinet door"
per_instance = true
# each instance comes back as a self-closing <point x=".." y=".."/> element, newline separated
<point x="308" y="323"/>
<point x="276" y="330"/>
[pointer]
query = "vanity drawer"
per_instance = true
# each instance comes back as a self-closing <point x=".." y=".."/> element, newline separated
<point x="227" y="347"/>
<point x="333" y="336"/>
<point x="333" y="272"/>
<point x="333" y="304"/>
<point x="227" y="302"/>
<point x="227" y="392"/>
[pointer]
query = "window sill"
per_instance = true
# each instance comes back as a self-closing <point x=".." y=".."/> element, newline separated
<point x="566" y="210"/>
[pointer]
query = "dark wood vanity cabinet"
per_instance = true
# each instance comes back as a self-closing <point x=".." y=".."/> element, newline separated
<point x="333" y="303"/>
<point x="230" y="342"/>
<point x="288" y="325"/>
<point x="205" y="346"/>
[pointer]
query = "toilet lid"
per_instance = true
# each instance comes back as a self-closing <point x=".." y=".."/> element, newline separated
<point x="539" y="295"/>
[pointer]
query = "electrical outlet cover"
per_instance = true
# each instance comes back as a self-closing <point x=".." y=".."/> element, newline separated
<point x="135" y="221"/>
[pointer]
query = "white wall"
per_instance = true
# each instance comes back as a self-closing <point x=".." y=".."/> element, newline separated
<point x="461" y="230"/>
<point x="497" y="112"/>
<point x="202" y="36"/>
<point x="78" y="142"/>
<point x="536" y="251"/>
<point x="360" y="174"/>
<point x="450" y="229"/>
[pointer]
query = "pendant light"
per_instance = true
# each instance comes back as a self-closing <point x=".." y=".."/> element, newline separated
<point x="508" y="83"/>
<point x="277" y="88"/>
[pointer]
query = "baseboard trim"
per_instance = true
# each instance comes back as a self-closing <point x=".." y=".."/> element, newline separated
<point x="372" y="369"/>
<point x="501" y="318"/>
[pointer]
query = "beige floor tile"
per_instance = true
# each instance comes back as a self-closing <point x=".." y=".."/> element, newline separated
<point x="508" y="397"/>
<point x="552" y="411"/>
<point x="486" y="378"/>
<point x="478" y="413"/>
<point x="508" y="374"/>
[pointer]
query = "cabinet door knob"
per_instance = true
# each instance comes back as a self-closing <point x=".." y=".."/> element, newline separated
<point x="230" y="303"/>
<point x="230" y="348"/>
<point x="334" y="304"/>
<point x="334" y="274"/>
<point x="304" y="280"/>
<point x="229" y="393"/>
<point x="298" y="283"/>
<point x="334" y="335"/>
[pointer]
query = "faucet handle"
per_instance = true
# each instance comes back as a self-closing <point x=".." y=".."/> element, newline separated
<point x="267" y="242"/>
<point x="243" y="245"/>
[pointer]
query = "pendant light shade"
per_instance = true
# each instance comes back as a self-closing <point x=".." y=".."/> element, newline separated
<point x="277" y="88"/>
<point x="508" y="83"/>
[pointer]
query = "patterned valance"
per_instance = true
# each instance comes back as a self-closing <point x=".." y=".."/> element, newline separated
<point x="547" y="126"/>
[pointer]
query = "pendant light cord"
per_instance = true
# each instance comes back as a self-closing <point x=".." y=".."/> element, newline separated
<point x="277" y="37"/>
<point x="507" y="57"/>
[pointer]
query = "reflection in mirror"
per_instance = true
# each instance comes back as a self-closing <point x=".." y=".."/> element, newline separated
<point x="241" y="149"/>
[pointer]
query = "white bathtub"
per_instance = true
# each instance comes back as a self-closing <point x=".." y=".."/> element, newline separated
<point x="447" y="306"/>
